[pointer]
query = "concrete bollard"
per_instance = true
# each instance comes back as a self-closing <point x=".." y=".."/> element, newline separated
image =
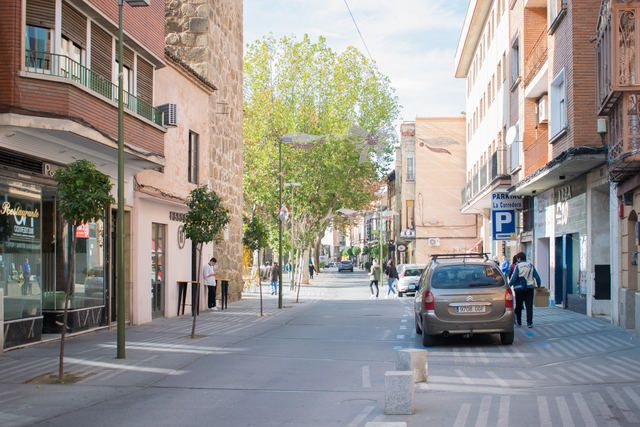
<point x="413" y="359"/>
<point x="399" y="393"/>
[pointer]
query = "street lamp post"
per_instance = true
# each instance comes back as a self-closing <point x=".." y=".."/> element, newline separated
<point x="120" y="220"/>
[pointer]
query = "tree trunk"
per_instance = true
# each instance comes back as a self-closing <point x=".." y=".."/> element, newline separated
<point x="196" y="304"/>
<point x="65" y="314"/>
<point x="316" y="253"/>
<point x="260" y="284"/>
<point x="304" y="265"/>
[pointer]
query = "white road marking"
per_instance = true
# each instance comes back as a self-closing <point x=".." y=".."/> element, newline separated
<point x="124" y="367"/>
<point x="400" y="337"/>
<point x="604" y="410"/>
<point x="622" y="405"/>
<point x="499" y="380"/>
<point x="585" y="412"/>
<point x="403" y="327"/>
<point x="357" y="421"/>
<point x="523" y="375"/>
<point x="404" y="320"/>
<point x="366" y="377"/>
<point x="483" y="414"/>
<point x="543" y="411"/>
<point x="463" y="415"/>
<point x="503" y="412"/>
<point x="161" y="349"/>
<point x="565" y="413"/>
<point x="465" y="379"/>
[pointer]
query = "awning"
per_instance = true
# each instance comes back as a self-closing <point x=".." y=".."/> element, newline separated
<point x="567" y="166"/>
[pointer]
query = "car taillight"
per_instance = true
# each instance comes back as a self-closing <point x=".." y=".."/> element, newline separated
<point x="429" y="301"/>
<point x="508" y="298"/>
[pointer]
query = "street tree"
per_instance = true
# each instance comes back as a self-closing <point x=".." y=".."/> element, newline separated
<point x="255" y="238"/>
<point x="303" y="86"/>
<point x="203" y="223"/>
<point x="84" y="196"/>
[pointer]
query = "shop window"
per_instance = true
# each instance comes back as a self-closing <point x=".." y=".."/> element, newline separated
<point x="194" y="145"/>
<point x="20" y="250"/>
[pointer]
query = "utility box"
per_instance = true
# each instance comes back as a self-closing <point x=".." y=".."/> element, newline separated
<point x="542" y="297"/>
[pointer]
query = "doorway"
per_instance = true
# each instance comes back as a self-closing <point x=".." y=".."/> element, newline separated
<point x="567" y="273"/>
<point x="158" y="264"/>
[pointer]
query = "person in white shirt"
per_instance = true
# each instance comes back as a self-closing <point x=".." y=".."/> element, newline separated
<point x="209" y="280"/>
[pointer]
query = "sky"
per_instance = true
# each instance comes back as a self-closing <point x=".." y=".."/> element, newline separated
<point x="413" y="42"/>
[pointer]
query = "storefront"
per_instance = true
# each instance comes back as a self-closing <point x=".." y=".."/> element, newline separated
<point x="34" y="256"/>
<point x="561" y="251"/>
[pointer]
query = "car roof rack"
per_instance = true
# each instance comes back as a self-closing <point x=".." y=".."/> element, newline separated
<point x="435" y="257"/>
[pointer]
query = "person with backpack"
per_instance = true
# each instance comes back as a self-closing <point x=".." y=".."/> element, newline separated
<point x="375" y="273"/>
<point x="393" y="277"/>
<point x="524" y="278"/>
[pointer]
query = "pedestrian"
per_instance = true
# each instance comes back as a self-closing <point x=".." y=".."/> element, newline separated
<point x="392" y="274"/>
<point x="311" y="269"/>
<point x="504" y="265"/>
<point x="275" y="277"/>
<point x="375" y="274"/>
<point x="209" y="280"/>
<point x="512" y="267"/>
<point x="26" y="275"/>
<point x="524" y="278"/>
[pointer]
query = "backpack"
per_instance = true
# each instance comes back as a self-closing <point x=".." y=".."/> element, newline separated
<point x="526" y="275"/>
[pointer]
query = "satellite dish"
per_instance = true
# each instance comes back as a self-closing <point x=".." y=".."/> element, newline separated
<point x="512" y="134"/>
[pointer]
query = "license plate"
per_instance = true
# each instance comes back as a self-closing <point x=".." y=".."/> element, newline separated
<point x="412" y="287"/>
<point x="471" y="309"/>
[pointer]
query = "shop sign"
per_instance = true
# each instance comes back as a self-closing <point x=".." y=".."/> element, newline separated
<point x="502" y="201"/>
<point x="402" y="248"/>
<point x="48" y="169"/>
<point x="178" y="216"/>
<point x="82" y="231"/>
<point x="19" y="222"/>
<point x="182" y="237"/>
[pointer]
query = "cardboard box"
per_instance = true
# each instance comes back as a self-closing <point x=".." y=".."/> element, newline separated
<point x="541" y="298"/>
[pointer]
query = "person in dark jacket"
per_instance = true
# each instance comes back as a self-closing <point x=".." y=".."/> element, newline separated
<point x="392" y="275"/>
<point x="524" y="278"/>
<point x="275" y="278"/>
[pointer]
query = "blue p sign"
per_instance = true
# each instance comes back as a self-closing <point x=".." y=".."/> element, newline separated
<point x="503" y="224"/>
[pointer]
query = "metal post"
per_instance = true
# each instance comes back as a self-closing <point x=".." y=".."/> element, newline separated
<point x="120" y="225"/>
<point x="380" y="238"/>
<point x="280" y="218"/>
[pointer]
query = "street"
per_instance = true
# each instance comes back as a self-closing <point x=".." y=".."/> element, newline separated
<point x="321" y="363"/>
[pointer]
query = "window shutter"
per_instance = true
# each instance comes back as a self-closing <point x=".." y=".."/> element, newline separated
<point x="101" y="51"/>
<point x="41" y="13"/>
<point x="145" y="81"/>
<point x="74" y="25"/>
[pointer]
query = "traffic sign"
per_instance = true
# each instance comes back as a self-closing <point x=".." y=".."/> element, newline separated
<point x="503" y="224"/>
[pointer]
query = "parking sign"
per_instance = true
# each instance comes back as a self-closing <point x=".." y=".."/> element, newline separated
<point x="503" y="224"/>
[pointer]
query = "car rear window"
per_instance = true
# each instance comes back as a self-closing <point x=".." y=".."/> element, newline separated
<point x="466" y="276"/>
<point x="413" y="272"/>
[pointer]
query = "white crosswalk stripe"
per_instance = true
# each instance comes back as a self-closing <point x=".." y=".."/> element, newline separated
<point x="543" y="412"/>
<point x="483" y="414"/>
<point x="585" y="411"/>
<point x="622" y="406"/>
<point x="565" y="413"/>
<point x="463" y="415"/>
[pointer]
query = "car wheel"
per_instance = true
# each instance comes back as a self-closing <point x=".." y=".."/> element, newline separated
<point x="400" y="294"/>
<point x="427" y="340"/>
<point x="418" y="330"/>
<point x="506" y="338"/>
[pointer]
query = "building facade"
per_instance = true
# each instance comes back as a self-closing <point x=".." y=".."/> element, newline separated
<point x="440" y="225"/>
<point x="405" y="203"/>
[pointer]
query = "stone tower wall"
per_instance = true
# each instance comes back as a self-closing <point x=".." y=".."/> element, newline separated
<point x="207" y="35"/>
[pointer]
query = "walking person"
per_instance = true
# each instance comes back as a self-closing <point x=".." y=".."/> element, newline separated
<point x="504" y="265"/>
<point x="26" y="275"/>
<point x="392" y="274"/>
<point x="209" y="280"/>
<point x="275" y="277"/>
<point x="524" y="278"/>
<point x="375" y="273"/>
<point x="311" y="269"/>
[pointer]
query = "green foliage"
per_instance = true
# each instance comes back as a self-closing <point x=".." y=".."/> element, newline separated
<point x="206" y="217"/>
<point x="255" y="233"/>
<point x="375" y="251"/>
<point x="84" y="192"/>
<point x="366" y="250"/>
<point x="304" y="86"/>
<point x="345" y="253"/>
<point x="356" y="250"/>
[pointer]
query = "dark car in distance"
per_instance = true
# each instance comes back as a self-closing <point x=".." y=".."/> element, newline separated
<point x="346" y="265"/>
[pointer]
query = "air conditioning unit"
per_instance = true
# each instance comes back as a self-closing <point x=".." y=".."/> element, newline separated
<point x="543" y="109"/>
<point x="169" y="114"/>
<point x="434" y="242"/>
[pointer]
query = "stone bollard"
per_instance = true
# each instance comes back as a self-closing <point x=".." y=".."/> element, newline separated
<point x="398" y="393"/>
<point x="413" y="359"/>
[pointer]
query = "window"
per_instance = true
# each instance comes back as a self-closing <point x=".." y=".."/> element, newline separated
<point x="127" y="81"/>
<point x="464" y="276"/>
<point x="557" y="9"/>
<point x="558" y="100"/>
<point x="411" y="223"/>
<point x="38" y="47"/>
<point x="72" y="66"/>
<point x="411" y="167"/>
<point x="515" y="62"/>
<point x="193" y="157"/>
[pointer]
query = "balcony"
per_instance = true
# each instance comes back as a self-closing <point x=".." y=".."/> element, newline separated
<point x="483" y="181"/>
<point x="536" y="58"/>
<point x="61" y="66"/>
<point x="624" y="138"/>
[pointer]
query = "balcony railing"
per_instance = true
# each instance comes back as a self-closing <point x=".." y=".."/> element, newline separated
<point x="537" y="57"/>
<point x="498" y="164"/>
<point x="492" y="170"/>
<point x="51" y="64"/>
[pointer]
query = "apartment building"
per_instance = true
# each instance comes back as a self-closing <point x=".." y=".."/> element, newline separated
<point x="482" y="60"/>
<point x="562" y="176"/>
<point x="617" y="94"/>
<point x="404" y="206"/>
<point x="440" y="173"/>
<point x="58" y="103"/>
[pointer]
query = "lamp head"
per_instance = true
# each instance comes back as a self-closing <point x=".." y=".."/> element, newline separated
<point x="602" y="126"/>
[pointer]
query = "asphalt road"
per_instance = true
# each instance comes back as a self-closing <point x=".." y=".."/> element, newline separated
<point x="321" y="363"/>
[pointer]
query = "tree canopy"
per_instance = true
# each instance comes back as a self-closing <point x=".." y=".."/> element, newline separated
<point x="303" y="86"/>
